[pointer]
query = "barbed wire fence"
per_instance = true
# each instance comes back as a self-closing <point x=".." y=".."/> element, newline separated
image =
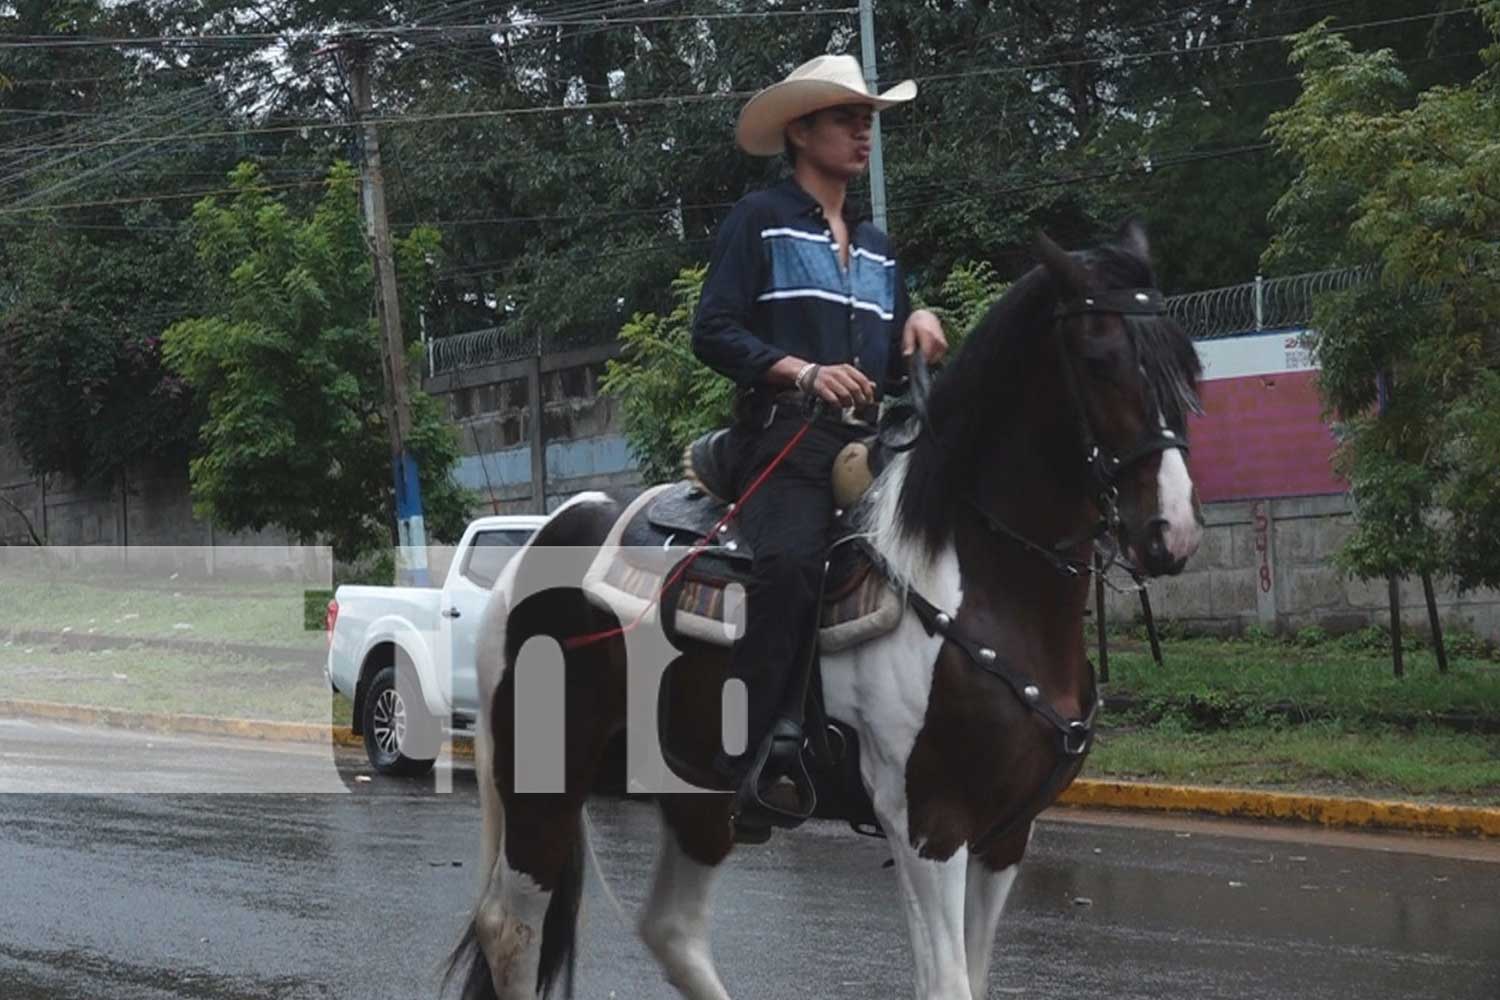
<point x="1262" y="304"/>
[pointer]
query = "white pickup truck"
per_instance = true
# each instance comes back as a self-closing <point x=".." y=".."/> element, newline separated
<point x="405" y="655"/>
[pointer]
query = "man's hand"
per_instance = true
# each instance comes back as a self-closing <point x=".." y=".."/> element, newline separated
<point x="843" y="385"/>
<point x="924" y="332"/>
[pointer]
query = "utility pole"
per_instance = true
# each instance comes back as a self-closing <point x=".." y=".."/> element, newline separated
<point x="872" y="83"/>
<point x="411" y="531"/>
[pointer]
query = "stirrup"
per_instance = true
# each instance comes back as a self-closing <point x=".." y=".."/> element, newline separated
<point x="780" y="756"/>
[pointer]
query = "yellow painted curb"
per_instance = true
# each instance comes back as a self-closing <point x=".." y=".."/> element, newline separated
<point x="1333" y="811"/>
<point x="199" y="725"/>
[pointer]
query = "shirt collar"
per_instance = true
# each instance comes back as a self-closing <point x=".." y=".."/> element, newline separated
<point x="806" y="204"/>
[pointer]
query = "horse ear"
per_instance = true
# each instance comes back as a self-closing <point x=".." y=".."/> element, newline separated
<point x="1065" y="271"/>
<point x="1132" y="236"/>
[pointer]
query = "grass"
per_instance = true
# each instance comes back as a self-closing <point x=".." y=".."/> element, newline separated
<point x="1308" y="714"/>
<point x="143" y="679"/>
<point x="273" y="614"/>
<point x="1238" y="682"/>
<point x="1427" y="763"/>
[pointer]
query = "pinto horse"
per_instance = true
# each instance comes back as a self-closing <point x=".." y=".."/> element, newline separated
<point x="1060" y="426"/>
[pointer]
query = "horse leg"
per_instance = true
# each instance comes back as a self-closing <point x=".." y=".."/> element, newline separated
<point x="695" y="838"/>
<point x="984" y="900"/>
<point x="933" y="892"/>
<point x="491" y="810"/>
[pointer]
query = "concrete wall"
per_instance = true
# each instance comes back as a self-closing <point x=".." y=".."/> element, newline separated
<point x="1270" y="563"/>
<point x="150" y="507"/>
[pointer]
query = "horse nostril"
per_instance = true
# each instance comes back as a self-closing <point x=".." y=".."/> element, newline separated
<point x="1156" y="539"/>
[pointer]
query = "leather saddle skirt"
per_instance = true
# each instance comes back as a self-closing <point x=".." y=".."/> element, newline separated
<point x="656" y="532"/>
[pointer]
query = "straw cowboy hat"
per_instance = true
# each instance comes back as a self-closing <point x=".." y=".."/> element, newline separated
<point x="819" y="83"/>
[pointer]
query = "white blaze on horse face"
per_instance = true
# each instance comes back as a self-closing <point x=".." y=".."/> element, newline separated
<point x="1175" y="501"/>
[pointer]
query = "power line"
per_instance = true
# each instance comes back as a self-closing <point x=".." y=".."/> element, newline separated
<point x="165" y="196"/>
<point x="148" y="41"/>
<point x="1162" y="53"/>
<point x="580" y="108"/>
<point x="613" y="105"/>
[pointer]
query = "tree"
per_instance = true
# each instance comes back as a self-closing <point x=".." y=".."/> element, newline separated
<point x="963" y="298"/>
<point x="667" y="396"/>
<point x="1405" y="186"/>
<point x="287" y="370"/>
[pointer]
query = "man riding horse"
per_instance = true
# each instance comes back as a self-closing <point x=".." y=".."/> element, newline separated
<point x="803" y="302"/>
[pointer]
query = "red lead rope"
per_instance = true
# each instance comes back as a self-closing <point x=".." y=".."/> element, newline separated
<point x="579" y="641"/>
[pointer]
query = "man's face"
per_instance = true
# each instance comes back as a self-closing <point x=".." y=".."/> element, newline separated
<point x="835" y="140"/>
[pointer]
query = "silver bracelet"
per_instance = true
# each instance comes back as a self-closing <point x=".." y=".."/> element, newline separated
<point x="807" y="378"/>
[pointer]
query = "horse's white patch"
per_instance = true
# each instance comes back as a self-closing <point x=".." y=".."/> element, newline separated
<point x="1175" y="500"/>
<point x="674" y="924"/>
<point x="509" y="924"/>
<point x="906" y="555"/>
<point x="882" y="688"/>
<point x="984" y="901"/>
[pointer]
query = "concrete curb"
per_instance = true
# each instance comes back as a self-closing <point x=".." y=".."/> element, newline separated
<point x="1324" y="810"/>
<point x="199" y="725"/>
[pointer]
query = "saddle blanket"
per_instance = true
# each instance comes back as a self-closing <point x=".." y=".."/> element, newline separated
<point x="628" y="580"/>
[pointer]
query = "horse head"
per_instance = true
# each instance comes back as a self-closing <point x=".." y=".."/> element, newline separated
<point x="1129" y="374"/>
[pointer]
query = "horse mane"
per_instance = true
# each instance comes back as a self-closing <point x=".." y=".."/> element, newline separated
<point x="974" y="401"/>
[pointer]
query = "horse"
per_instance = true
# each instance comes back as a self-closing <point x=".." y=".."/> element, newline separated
<point x="1058" y="430"/>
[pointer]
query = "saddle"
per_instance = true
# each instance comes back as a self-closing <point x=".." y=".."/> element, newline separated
<point x="653" y="536"/>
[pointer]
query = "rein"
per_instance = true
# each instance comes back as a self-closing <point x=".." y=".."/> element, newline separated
<point x="1072" y="738"/>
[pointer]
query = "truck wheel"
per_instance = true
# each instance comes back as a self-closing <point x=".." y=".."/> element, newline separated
<point x="391" y="722"/>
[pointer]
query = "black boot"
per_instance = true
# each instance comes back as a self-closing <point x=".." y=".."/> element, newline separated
<point x="775" y="789"/>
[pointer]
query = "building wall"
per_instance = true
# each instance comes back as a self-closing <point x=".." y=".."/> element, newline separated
<point x="1262" y="432"/>
<point x="504" y="412"/>
<point x="1269" y="562"/>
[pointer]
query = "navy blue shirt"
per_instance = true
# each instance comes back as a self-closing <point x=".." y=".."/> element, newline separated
<point x="776" y="287"/>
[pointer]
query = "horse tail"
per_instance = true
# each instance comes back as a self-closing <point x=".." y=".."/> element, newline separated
<point x="558" y="960"/>
<point x="559" y="957"/>
<point x="468" y="958"/>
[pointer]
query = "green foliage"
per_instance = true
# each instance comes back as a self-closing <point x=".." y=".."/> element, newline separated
<point x="287" y="368"/>
<point x="1221" y="683"/>
<point x="80" y="352"/>
<point x="667" y="395"/>
<point x="1258" y="634"/>
<point x="1403" y="184"/>
<point x="1311" y="636"/>
<point x="963" y="298"/>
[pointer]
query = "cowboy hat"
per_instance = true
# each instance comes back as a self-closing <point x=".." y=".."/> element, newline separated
<point x="824" y="82"/>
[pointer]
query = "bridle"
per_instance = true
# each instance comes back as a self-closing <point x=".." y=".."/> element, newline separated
<point x="1073" y="738"/>
<point x="1104" y="466"/>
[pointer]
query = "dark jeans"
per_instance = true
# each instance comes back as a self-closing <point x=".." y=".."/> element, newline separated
<point x="787" y="523"/>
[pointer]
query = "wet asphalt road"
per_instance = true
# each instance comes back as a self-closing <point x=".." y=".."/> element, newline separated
<point x="357" y="895"/>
